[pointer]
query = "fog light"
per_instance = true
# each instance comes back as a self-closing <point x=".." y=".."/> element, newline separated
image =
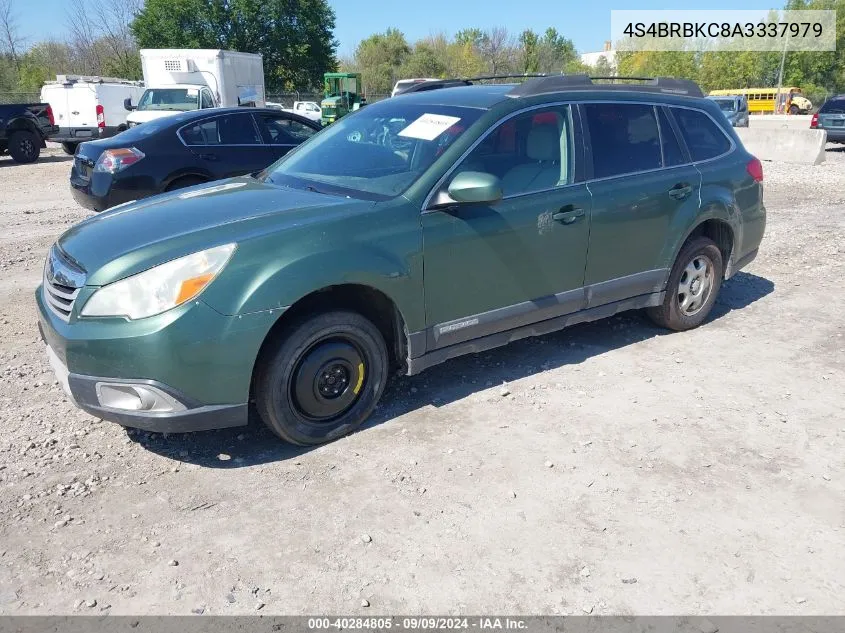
<point x="136" y="397"/>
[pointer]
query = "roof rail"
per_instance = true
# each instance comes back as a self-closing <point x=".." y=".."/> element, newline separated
<point x="558" y="83"/>
<point x="434" y="84"/>
<point x="508" y="76"/>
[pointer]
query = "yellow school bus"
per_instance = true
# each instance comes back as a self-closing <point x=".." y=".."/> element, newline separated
<point x="762" y="100"/>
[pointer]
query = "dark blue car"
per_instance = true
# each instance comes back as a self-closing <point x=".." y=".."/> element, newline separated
<point x="183" y="150"/>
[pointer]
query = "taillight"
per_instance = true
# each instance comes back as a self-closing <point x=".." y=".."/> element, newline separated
<point x="50" y="114"/>
<point x="755" y="169"/>
<point x="814" y="122"/>
<point x="112" y="161"/>
<point x="101" y="117"/>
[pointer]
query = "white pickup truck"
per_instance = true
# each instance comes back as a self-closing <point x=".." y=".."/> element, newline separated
<point x="308" y="109"/>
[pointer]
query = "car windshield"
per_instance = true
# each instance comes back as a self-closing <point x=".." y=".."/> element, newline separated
<point x="833" y="106"/>
<point x="375" y="153"/>
<point x="727" y="105"/>
<point x="176" y="99"/>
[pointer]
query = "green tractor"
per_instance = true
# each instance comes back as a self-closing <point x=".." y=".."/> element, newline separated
<point x="343" y="93"/>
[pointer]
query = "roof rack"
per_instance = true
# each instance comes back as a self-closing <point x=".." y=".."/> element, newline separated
<point x="93" y="79"/>
<point x="509" y="76"/>
<point x="434" y="84"/>
<point x="538" y="84"/>
<point x="558" y="83"/>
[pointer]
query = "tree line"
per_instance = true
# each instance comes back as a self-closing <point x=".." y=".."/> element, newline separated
<point x="384" y="58"/>
<point x="295" y="38"/>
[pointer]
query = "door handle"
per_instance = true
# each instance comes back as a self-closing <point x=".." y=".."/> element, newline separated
<point x="208" y="156"/>
<point x="681" y="191"/>
<point x="568" y="214"/>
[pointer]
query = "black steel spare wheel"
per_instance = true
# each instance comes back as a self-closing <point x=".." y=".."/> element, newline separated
<point x="320" y="377"/>
<point x="328" y="379"/>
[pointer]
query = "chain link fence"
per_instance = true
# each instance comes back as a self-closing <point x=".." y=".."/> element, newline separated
<point x="20" y="97"/>
<point x="286" y="99"/>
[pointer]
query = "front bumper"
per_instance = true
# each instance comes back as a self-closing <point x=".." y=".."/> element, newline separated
<point x="196" y="358"/>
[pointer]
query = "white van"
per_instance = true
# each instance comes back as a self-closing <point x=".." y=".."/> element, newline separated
<point x="87" y="107"/>
<point x="178" y="80"/>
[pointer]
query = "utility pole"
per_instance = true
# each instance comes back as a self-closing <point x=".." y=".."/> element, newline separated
<point x="780" y="72"/>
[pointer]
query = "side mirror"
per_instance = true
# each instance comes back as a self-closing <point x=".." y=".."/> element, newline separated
<point x="127" y="104"/>
<point x="475" y="186"/>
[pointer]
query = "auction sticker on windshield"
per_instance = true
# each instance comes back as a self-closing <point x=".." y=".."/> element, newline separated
<point x="429" y="126"/>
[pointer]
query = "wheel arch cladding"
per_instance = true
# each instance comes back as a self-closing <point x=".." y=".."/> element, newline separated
<point x="717" y="220"/>
<point x="718" y="230"/>
<point x="369" y="302"/>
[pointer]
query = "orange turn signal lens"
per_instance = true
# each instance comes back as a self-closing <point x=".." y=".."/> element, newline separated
<point x="192" y="287"/>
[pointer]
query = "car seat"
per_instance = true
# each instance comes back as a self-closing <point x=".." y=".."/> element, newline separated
<point x="543" y="172"/>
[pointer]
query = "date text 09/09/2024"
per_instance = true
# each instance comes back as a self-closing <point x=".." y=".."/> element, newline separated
<point x="417" y="623"/>
<point x="724" y="29"/>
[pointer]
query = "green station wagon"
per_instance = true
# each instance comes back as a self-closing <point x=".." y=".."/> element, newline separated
<point x="415" y="230"/>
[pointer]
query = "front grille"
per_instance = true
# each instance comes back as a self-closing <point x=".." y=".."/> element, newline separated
<point x="62" y="282"/>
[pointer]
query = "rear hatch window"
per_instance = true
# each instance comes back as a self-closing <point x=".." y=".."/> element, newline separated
<point x="833" y="106"/>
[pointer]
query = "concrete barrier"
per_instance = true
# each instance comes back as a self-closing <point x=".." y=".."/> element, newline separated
<point x="791" y="121"/>
<point x="804" y="147"/>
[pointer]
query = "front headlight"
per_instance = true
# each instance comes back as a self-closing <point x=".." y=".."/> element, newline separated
<point x="161" y="288"/>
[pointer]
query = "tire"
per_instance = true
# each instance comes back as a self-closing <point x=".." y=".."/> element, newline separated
<point x="70" y="148"/>
<point x="24" y="147"/>
<point x="321" y="379"/>
<point x="185" y="181"/>
<point x="686" y="310"/>
<point x="793" y="109"/>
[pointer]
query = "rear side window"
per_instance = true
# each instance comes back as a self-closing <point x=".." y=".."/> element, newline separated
<point x="282" y="130"/>
<point x="833" y="106"/>
<point x="703" y="137"/>
<point x="624" y="138"/>
<point x="672" y="153"/>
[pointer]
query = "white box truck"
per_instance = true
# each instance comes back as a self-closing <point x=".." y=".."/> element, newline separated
<point x="86" y="107"/>
<point x="181" y="79"/>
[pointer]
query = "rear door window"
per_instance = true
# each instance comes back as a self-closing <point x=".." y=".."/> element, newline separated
<point x="703" y="137"/>
<point x="624" y="138"/>
<point x="229" y="129"/>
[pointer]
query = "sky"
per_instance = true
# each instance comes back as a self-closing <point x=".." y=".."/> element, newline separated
<point x="586" y="23"/>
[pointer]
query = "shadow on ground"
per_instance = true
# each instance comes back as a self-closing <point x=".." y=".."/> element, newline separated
<point x="452" y="381"/>
<point x="5" y="161"/>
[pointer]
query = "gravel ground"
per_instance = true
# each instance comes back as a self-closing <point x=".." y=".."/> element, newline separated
<point x="609" y="469"/>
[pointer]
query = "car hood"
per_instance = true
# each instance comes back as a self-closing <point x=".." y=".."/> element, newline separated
<point x="135" y="236"/>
